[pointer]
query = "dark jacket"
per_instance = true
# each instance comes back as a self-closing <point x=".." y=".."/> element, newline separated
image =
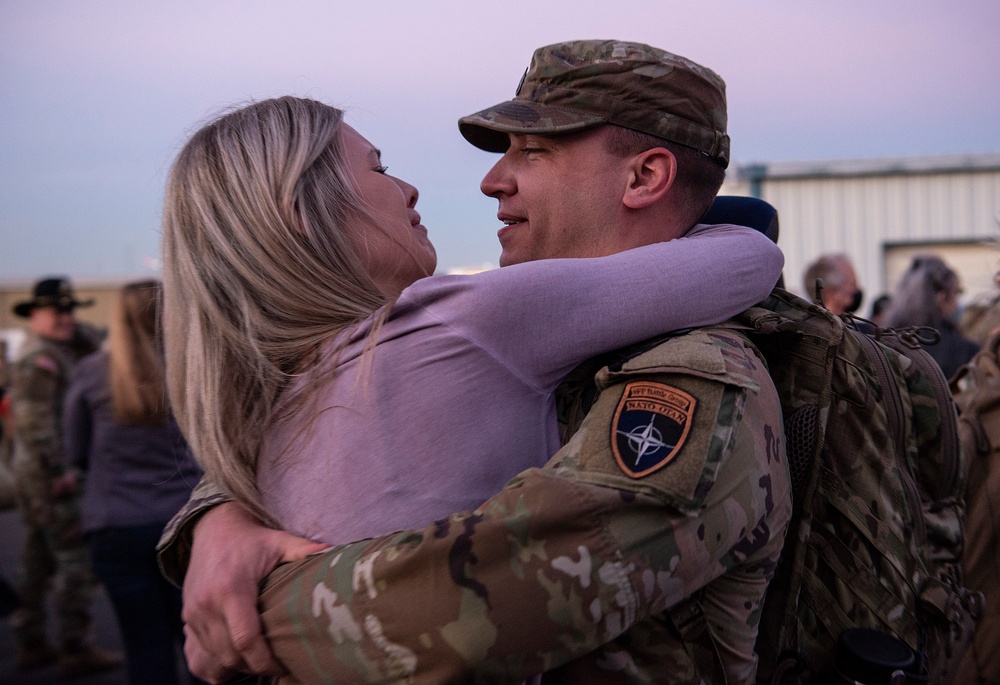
<point x="136" y="474"/>
<point x="953" y="351"/>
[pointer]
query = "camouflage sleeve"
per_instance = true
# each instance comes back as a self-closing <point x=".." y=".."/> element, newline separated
<point x="36" y="406"/>
<point x="174" y="548"/>
<point x="626" y="521"/>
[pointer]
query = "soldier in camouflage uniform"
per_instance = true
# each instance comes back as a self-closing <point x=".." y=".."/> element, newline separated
<point x="54" y="549"/>
<point x="639" y="553"/>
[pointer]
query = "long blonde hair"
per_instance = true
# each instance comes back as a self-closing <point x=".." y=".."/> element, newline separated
<point x="259" y="271"/>
<point x="135" y="369"/>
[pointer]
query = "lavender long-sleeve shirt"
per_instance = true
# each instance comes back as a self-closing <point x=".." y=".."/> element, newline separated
<point x="458" y="397"/>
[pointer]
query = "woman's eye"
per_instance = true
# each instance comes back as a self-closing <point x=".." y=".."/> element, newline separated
<point x="381" y="169"/>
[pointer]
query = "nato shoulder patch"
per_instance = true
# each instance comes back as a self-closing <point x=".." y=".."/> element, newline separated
<point x="650" y="426"/>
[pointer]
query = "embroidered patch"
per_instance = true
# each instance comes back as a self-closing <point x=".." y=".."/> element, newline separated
<point x="650" y="426"/>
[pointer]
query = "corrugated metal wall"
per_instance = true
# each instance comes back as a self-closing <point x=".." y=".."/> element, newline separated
<point x="866" y="212"/>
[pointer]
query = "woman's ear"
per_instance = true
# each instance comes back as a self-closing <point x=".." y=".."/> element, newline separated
<point x="650" y="176"/>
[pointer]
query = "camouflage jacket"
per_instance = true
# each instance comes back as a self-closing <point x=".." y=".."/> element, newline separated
<point x="39" y="381"/>
<point x="673" y="490"/>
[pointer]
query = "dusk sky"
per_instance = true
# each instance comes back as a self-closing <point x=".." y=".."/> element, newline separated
<point x="98" y="96"/>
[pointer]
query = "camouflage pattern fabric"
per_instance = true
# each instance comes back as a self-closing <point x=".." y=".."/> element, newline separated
<point x="581" y="84"/>
<point x="579" y="556"/>
<point x="977" y="394"/>
<point x="54" y="546"/>
<point x="174" y="549"/>
<point x="878" y="481"/>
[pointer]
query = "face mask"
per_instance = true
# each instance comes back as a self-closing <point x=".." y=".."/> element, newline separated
<point x="856" y="301"/>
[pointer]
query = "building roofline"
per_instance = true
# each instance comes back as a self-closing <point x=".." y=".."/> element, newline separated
<point x="895" y="166"/>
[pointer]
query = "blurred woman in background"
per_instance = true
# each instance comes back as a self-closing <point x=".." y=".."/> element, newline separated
<point x="139" y="472"/>
<point x="927" y="295"/>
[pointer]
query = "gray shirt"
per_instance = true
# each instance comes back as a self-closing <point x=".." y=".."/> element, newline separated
<point x="136" y="474"/>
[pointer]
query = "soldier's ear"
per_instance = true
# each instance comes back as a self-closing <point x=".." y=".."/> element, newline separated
<point x="650" y="175"/>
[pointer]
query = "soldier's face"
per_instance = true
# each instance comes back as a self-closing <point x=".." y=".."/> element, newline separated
<point x="53" y="323"/>
<point x="838" y="300"/>
<point x="560" y="196"/>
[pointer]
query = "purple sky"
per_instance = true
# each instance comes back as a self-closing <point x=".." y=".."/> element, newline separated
<point x="96" y="97"/>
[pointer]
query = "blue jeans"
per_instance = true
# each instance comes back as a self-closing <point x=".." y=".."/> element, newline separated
<point x="147" y="606"/>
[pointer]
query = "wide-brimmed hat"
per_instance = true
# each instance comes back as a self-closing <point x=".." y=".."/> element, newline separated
<point x="585" y="83"/>
<point x="51" y="292"/>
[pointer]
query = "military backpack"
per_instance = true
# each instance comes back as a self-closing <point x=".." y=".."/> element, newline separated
<point x="877" y="478"/>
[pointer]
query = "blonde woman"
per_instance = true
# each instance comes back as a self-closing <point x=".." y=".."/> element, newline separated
<point x="139" y="473"/>
<point x="329" y="384"/>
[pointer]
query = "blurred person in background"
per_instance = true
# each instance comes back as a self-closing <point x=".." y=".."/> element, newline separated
<point x="47" y="494"/>
<point x="981" y="317"/>
<point x="118" y="431"/>
<point x="837" y="289"/>
<point x="927" y="295"/>
<point x="8" y="596"/>
<point x="879" y="307"/>
<point x="7" y="497"/>
<point x="4" y="400"/>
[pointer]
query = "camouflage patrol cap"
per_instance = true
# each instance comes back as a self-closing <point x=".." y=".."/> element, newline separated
<point x="585" y="83"/>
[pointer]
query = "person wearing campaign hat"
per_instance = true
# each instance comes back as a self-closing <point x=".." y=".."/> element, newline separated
<point x="50" y="309"/>
<point x="47" y="491"/>
<point x="51" y="292"/>
<point x="642" y="551"/>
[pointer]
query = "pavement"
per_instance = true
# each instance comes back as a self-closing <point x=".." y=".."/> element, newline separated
<point x="105" y="627"/>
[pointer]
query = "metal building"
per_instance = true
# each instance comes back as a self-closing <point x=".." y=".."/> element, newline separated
<point x="881" y="212"/>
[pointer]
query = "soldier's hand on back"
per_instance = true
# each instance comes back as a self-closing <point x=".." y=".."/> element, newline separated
<point x="231" y="555"/>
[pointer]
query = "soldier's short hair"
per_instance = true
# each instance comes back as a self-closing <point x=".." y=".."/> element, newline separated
<point x="827" y="268"/>
<point x="698" y="177"/>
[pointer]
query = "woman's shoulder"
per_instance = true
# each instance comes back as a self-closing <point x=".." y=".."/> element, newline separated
<point x="437" y="286"/>
<point x="444" y="292"/>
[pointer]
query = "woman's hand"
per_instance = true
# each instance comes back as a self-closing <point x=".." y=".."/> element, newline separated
<point x="231" y="555"/>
